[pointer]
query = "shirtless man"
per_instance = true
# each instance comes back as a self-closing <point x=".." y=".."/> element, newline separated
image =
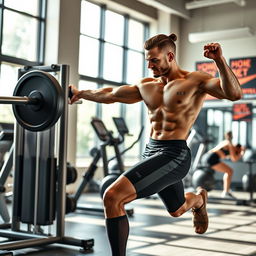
<point x="174" y="98"/>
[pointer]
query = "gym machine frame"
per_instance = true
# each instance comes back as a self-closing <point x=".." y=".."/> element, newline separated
<point x="4" y="173"/>
<point x="27" y="240"/>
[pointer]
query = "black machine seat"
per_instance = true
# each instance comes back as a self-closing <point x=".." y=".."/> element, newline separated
<point x="6" y="135"/>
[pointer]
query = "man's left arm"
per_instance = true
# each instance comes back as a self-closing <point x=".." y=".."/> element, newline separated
<point x="227" y="86"/>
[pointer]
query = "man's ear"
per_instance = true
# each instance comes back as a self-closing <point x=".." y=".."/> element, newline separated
<point x="170" y="56"/>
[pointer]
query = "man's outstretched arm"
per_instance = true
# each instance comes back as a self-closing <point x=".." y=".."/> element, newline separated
<point x="123" y="94"/>
<point x="227" y="86"/>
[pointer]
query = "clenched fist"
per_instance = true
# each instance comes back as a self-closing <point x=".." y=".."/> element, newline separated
<point x="213" y="51"/>
<point x="74" y="94"/>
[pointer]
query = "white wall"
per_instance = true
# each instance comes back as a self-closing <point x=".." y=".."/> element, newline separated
<point x="164" y="23"/>
<point x="167" y="24"/>
<point x="217" y="18"/>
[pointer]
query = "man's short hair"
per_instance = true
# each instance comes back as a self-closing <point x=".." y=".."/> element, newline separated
<point x="161" y="41"/>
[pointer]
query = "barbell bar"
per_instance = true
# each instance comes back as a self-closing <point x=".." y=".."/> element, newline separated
<point x="18" y="100"/>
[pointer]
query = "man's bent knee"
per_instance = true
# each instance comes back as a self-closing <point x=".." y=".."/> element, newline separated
<point x="112" y="198"/>
<point x="109" y="198"/>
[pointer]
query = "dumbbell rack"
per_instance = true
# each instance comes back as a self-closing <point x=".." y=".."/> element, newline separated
<point x="21" y="239"/>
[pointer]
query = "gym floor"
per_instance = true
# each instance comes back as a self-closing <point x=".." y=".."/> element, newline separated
<point x="232" y="231"/>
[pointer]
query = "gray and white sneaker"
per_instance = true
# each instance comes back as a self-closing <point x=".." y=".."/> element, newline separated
<point x="227" y="195"/>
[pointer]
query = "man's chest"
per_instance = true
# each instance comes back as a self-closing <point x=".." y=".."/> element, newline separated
<point x="171" y="96"/>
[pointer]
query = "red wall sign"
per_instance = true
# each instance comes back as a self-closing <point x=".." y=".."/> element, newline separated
<point x="242" y="112"/>
<point x="245" y="71"/>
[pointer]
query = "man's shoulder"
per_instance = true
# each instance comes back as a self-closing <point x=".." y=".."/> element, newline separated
<point x="199" y="75"/>
<point x="148" y="79"/>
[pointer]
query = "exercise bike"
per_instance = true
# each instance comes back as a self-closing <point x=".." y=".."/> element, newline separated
<point x="107" y="140"/>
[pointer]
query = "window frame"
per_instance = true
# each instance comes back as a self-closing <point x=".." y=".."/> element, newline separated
<point x="41" y="18"/>
<point x="99" y="79"/>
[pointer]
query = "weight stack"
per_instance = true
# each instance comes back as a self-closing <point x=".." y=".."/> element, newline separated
<point x="45" y="199"/>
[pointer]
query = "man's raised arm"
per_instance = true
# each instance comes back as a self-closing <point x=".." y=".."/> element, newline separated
<point x="227" y="86"/>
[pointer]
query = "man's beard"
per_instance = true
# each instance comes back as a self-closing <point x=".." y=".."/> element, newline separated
<point x="164" y="72"/>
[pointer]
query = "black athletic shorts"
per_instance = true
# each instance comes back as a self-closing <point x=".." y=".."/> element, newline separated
<point x="165" y="164"/>
<point x="210" y="159"/>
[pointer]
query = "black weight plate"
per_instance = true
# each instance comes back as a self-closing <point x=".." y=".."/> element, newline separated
<point x="51" y="107"/>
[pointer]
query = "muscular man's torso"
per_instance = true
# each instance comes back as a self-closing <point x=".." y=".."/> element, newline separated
<point x="172" y="107"/>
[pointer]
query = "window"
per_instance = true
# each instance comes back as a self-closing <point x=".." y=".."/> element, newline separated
<point x="135" y="62"/>
<point x="84" y="128"/>
<point x="19" y="36"/>
<point x="90" y="19"/>
<point x="111" y="54"/>
<point x="108" y="111"/>
<point x="220" y="121"/>
<point x="115" y="36"/>
<point x="22" y="43"/>
<point x="243" y="133"/>
<point x="235" y="131"/>
<point x="134" y="126"/>
<point x="28" y="6"/>
<point x="8" y="78"/>
<point x="89" y="56"/>
<point x="136" y="35"/>
<point x="113" y="62"/>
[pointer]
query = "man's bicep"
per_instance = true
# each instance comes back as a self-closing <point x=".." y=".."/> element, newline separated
<point x="127" y="94"/>
<point x="212" y="87"/>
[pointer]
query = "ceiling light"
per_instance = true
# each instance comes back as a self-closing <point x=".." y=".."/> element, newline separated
<point x="216" y="35"/>
<point x="205" y="3"/>
<point x="166" y="8"/>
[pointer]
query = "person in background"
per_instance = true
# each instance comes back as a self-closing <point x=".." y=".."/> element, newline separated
<point x="224" y="150"/>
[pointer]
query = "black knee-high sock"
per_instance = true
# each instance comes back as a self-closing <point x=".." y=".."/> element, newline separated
<point x="118" y="231"/>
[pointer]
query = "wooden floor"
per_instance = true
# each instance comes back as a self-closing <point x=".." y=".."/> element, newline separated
<point x="232" y="231"/>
